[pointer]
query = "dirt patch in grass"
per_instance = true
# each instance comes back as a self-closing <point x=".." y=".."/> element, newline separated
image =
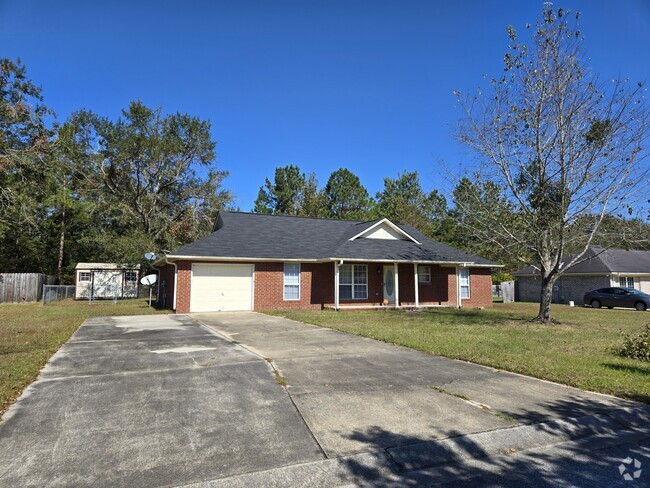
<point x="30" y="333"/>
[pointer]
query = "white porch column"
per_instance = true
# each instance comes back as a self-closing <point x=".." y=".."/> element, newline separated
<point x="336" y="285"/>
<point x="396" y="285"/>
<point x="417" y="282"/>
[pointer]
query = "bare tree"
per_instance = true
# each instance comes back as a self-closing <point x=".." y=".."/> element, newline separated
<point x="562" y="148"/>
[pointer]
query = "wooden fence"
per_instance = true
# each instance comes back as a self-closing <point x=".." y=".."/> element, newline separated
<point x="23" y="287"/>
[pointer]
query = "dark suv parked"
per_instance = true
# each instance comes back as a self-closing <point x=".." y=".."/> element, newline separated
<point x="618" y="297"/>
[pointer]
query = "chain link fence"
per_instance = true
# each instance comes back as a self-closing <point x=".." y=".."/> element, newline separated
<point x="54" y="293"/>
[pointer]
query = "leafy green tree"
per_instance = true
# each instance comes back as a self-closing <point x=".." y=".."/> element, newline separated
<point x="404" y="201"/>
<point x="25" y="147"/>
<point x="558" y="144"/>
<point x="313" y="199"/>
<point x="472" y="198"/>
<point x="146" y="174"/>
<point x="286" y="195"/>
<point x="345" y="197"/>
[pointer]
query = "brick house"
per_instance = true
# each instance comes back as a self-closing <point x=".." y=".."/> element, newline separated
<point x="263" y="262"/>
<point x="600" y="268"/>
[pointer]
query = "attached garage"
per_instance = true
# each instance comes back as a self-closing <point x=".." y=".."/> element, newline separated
<point x="221" y="287"/>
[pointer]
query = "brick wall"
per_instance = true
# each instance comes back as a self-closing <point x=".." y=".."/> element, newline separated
<point x="317" y="287"/>
<point x="184" y="277"/>
<point x="438" y="292"/>
<point x="567" y="288"/>
<point x="269" y="287"/>
<point x="480" y="288"/>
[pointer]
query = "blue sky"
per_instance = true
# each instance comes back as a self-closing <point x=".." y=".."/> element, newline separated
<point x="365" y="85"/>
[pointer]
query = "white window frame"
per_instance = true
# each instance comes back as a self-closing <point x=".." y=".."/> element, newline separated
<point x="354" y="283"/>
<point x="81" y="274"/>
<point x="285" y="284"/>
<point x="627" y="279"/>
<point x="130" y="271"/>
<point x="424" y="272"/>
<point x="468" y="285"/>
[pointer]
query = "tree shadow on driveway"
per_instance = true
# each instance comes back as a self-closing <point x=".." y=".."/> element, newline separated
<point x="584" y="451"/>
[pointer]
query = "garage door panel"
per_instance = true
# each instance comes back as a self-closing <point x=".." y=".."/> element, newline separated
<point x="221" y="287"/>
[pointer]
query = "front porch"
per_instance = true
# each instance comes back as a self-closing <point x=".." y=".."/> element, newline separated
<point x="395" y="285"/>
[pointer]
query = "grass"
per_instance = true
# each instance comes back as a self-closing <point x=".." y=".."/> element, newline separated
<point x="282" y="381"/>
<point x="579" y="352"/>
<point x="30" y="333"/>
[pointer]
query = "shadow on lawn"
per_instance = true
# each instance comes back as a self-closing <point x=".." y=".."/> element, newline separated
<point x="628" y="368"/>
<point x="477" y="315"/>
<point x="461" y="461"/>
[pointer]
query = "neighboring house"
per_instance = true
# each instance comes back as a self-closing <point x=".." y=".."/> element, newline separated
<point x="106" y="280"/>
<point x="263" y="262"/>
<point x="601" y="268"/>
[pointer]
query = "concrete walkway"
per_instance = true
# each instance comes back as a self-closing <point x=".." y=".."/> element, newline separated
<point x="150" y="401"/>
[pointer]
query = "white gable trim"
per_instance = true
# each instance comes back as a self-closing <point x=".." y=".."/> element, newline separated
<point x="388" y="223"/>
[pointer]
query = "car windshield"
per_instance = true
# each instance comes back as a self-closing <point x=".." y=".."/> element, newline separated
<point x="632" y="291"/>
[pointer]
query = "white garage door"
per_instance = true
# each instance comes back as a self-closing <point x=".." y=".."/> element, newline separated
<point x="221" y="287"/>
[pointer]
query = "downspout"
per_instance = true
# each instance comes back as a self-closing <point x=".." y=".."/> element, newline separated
<point x="336" y="284"/>
<point x="175" y="281"/>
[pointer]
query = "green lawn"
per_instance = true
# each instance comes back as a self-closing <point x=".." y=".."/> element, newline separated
<point x="30" y="333"/>
<point x="579" y="352"/>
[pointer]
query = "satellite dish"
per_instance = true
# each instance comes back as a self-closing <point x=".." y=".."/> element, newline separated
<point x="149" y="279"/>
<point x="151" y="257"/>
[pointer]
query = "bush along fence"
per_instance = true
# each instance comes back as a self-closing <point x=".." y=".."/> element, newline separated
<point x="23" y="287"/>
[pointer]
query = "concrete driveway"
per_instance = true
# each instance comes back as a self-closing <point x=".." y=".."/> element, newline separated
<point x="150" y="401"/>
<point x="359" y="395"/>
<point x="168" y="401"/>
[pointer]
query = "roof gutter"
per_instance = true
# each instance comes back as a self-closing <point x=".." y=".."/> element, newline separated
<point x="418" y="261"/>
<point x="171" y="258"/>
<point x="239" y="259"/>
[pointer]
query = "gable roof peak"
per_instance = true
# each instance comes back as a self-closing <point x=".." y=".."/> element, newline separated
<point x="385" y="221"/>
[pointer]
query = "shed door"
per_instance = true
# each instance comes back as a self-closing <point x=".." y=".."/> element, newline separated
<point x="221" y="287"/>
<point x="107" y="284"/>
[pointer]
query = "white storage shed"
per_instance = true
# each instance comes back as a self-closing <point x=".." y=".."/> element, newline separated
<point x="107" y="280"/>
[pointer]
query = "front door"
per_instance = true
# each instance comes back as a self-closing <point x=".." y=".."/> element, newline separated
<point x="389" y="284"/>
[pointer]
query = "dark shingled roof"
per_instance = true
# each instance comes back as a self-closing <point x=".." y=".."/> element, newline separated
<point x="248" y="235"/>
<point x="604" y="261"/>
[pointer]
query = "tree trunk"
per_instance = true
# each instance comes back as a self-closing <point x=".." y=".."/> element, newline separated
<point x="545" y="299"/>
<point x="61" y="246"/>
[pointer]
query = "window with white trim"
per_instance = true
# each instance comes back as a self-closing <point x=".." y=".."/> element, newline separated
<point x="424" y="274"/>
<point x="84" y="276"/>
<point x="464" y="282"/>
<point x="292" y="281"/>
<point x="130" y="275"/>
<point x="353" y="282"/>
<point x="626" y="281"/>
